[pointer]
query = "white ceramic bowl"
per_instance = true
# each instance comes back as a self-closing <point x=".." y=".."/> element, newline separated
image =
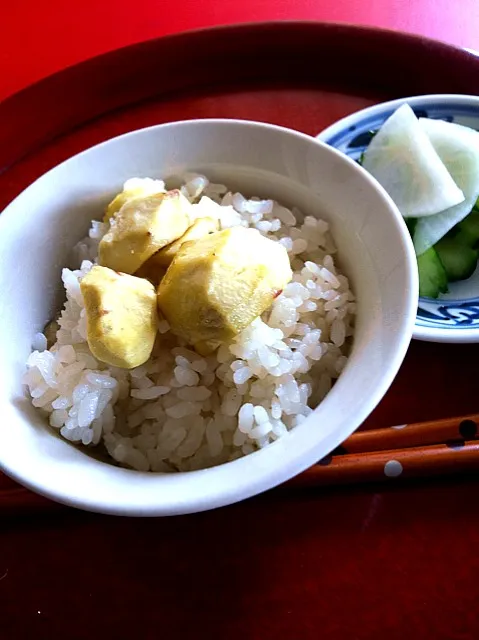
<point x="38" y="230"/>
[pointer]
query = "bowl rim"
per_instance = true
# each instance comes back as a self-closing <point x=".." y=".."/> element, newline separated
<point x="273" y="475"/>
<point x="449" y="334"/>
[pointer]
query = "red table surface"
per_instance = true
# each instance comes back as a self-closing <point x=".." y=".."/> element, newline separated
<point x="359" y="563"/>
<point x="41" y="37"/>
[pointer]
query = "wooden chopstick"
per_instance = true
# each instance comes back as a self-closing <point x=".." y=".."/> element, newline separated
<point x="413" y="435"/>
<point x="430" y="448"/>
<point x="377" y="466"/>
<point x="438" y="447"/>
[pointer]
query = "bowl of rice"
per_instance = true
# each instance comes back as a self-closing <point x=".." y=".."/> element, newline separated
<point x="188" y="431"/>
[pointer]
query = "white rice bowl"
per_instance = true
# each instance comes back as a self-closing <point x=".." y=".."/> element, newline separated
<point x="180" y="411"/>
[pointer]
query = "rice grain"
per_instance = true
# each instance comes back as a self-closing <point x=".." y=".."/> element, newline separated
<point x="182" y="411"/>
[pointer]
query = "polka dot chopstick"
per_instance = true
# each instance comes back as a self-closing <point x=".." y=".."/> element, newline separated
<point x="438" y="447"/>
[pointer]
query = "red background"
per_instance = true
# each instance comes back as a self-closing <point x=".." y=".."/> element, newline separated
<point x="39" y="38"/>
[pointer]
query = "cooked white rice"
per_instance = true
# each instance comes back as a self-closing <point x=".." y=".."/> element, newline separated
<point x="181" y="411"/>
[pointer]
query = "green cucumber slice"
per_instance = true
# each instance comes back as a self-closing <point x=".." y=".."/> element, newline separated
<point x="459" y="260"/>
<point x="467" y="231"/>
<point x="432" y="275"/>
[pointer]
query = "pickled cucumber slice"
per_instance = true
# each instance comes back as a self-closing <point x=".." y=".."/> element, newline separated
<point x="432" y="275"/>
<point x="459" y="260"/>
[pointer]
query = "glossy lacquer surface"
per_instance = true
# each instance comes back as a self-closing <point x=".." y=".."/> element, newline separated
<point x="363" y="561"/>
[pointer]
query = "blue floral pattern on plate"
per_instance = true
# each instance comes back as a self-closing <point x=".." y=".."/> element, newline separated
<point x="455" y="316"/>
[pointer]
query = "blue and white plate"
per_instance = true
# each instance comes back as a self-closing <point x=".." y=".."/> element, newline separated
<point x="454" y="317"/>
